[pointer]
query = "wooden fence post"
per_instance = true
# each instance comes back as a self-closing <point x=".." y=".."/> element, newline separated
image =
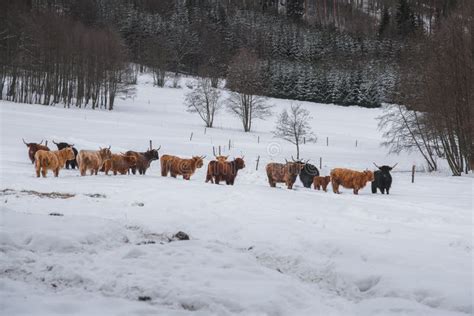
<point x="304" y="140"/>
<point x="258" y="139"/>
<point x="205" y="128"/>
<point x="191" y="137"/>
<point x="356" y="142"/>
<point x="229" y="144"/>
<point x="151" y="145"/>
<point x="320" y="163"/>
<point x="327" y="141"/>
<point x="258" y="160"/>
<point x="46" y="143"/>
<point x="413" y="174"/>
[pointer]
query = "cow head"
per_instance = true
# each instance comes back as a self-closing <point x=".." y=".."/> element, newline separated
<point x="239" y="163"/>
<point x="69" y="153"/>
<point x="385" y="168"/>
<point x="62" y="145"/>
<point x="198" y="161"/>
<point x="295" y="166"/>
<point x="105" y="153"/>
<point x="221" y="158"/>
<point x="369" y="175"/>
<point x="31" y="144"/>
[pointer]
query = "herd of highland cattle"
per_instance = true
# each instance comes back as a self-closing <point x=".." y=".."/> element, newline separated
<point x="218" y="170"/>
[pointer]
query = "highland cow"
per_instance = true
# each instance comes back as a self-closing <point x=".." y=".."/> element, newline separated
<point x="382" y="179"/>
<point x="120" y="164"/>
<point x="33" y="148"/>
<point x="350" y="179"/>
<point x="69" y="163"/>
<point x="221" y="170"/>
<point x="92" y="160"/>
<point x="144" y="159"/>
<point x="52" y="160"/>
<point x="283" y="173"/>
<point x="175" y="166"/>
<point x="323" y="182"/>
<point x="307" y="174"/>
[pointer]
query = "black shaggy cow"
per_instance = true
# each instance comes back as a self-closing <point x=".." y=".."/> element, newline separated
<point x="69" y="163"/>
<point x="144" y="159"/>
<point x="382" y="179"/>
<point x="307" y="174"/>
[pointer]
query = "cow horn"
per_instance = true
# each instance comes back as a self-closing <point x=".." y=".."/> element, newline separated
<point x="109" y="147"/>
<point x="71" y="145"/>
<point x="41" y="141"/>
<point x="286" y="160"/>
<point x="292" y="158"/>
<point x="394" y="165"/>
<point x="54" y="142"/>
<point x="158" y="148"/>
<point x="202" y="157"/>
<point x="25" y="142"/>
<point x="376" y="165"/>
<point x="214" y="151"/>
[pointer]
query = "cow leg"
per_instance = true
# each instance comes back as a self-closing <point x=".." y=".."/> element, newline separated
<point x="115" y="172"/>
<point x="56" y="172"/>
<point x="73" y="164"/>
<point x="356" y="191"/>
<point x="335" y="187"/>
<point x="44" y="171"/>
<point x="37" y="172"/>
<point x="387" y="191"/>
<point x="382" y="190"/>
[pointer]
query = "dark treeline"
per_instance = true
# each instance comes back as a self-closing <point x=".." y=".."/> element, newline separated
<point x="48" y="59"/>
<point x="329" y="51"/>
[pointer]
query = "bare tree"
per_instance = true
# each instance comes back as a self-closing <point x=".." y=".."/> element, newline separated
<point x="246" y="79"/>
<point x="204" y="100"/>
<point x="294" y="127"/>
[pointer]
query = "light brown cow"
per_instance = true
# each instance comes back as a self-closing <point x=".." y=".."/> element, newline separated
<point x="175" y="166"/>
<point x="120" y="164"/>
<point x="283" y="173"/>
<point x="323" y="182"/>
<point x="92" y="160"/>
<point x="350" y="179"/>
<point x="52" y="160"/>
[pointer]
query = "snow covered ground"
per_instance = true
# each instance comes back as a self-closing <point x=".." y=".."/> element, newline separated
<point x="254" y="250"/>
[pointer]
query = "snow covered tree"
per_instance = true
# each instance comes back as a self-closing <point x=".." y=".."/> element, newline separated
<point x="204" y="100"/>
<point x="246" y="81"/>
<point x="294" y="127"/>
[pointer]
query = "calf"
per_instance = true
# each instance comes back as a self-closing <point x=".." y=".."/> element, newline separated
<point x="177" y="166"/>
<point x="51" y="160"/>
<point x="224" y="170"/>
<point x="144" y="159"/>
<point x="120" y="164"/>
<point x="382" y="179"/>
<point x="283" y="173"/>
<point x="350" y="179"/>
<point x="69" y="163"/>
<point x="92" y="160"/>
<point x="323" y="182"/>
<point x="307" y="174"/>
<point x="33" y="148"/>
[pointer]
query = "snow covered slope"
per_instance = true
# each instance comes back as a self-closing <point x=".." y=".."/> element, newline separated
<point x="254" y="250"/>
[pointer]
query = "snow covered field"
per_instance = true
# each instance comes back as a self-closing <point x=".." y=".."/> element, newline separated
<point x="254" y="250"/>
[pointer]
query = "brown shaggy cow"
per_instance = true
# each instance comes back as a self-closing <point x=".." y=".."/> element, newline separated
<point x="224" y="170"/>
<point x="92" y="160"/>
<point x="52" y="160"/>
<point x="119" y="164"/>
<point x="283" y="173"/>
<point x="144" y="159"/>
<point x="33" y="148"/>
<point x="319" y="182"/>
<point x="177" y="166"/>
<point x="350" y="179"/>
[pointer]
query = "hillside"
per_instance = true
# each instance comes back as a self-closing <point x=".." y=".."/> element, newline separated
<point x="254" y="250"/>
